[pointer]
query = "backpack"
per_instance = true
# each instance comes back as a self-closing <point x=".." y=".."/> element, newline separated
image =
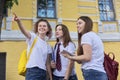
<point x="111" y="66"/>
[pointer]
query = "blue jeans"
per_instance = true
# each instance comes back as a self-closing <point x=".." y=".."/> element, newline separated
<point x="91" y="74"/>
<point x="74" y="77"/>
<point x="35" y="73"/>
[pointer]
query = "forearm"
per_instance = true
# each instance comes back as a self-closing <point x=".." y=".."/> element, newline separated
<point x="23" y="30"/>
<point x="69" y="70"/>
<point x="79" y="58"/>
<point x="49" y="67"/>
<point x="49" y="71"/>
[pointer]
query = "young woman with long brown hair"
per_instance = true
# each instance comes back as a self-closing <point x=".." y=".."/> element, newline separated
<point x="90" y="51"/>
<point x="64" y="68"/>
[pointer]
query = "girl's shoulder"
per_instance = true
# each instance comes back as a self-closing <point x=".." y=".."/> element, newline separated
<point x="91" y="33"/>
<point x="71" y="44"/>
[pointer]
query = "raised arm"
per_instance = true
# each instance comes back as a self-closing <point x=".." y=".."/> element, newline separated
<point x="22" y="28"/>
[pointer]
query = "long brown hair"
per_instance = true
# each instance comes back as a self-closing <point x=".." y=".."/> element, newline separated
<point x="66" y="35"/>
<point x="88" y="27"/>
<point x="49" y="33"/>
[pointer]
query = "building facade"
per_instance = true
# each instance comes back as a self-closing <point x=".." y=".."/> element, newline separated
<point x="104" y="13"/>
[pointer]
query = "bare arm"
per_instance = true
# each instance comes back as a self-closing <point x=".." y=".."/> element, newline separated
<point x="48" y="66"/>
<point x="22" y="28"/>
<point x="53" y="65"/>
<point x="87" y="53"/>
<point x="69" y="69"/>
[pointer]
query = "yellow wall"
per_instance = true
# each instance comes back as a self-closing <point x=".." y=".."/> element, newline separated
<point x="69" y="11"/>
<point x="14" y="48"/>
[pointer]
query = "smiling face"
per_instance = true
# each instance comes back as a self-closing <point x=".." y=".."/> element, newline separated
<point x="42" y="28"/>
<point x="62" y="34"/>
<point x="80" y="25"/>
<point x="84" y="25"/>
<point x="59" y="32"/>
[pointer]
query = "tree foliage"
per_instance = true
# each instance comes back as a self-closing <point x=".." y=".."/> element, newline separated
<point x="9" y="3"/>
<point x="5" y="4"/>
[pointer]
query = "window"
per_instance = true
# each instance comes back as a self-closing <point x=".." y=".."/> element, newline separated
<point x="106" y="10"/>
<point x="46" y="8"/>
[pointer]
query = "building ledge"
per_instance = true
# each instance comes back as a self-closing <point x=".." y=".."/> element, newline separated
<point x="17" y="35"/>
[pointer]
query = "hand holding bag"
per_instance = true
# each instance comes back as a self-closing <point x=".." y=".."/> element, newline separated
<point x="24" y="58"/>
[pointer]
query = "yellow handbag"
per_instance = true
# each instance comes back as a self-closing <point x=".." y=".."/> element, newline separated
<point x="24" y="58"/>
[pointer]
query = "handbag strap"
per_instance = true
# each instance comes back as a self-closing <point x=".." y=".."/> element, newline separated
<point x="112" y="55"/>
<point x="35" y="40"/>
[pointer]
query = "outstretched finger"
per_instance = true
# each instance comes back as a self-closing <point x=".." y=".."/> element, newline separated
<point x="14" y="14"/>
<point x="14" y="18"/>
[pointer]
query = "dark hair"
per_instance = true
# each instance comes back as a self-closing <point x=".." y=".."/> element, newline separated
<point x="88" y="28"/>
<point x="49" y="33"/>
<point x="66" y="35"/>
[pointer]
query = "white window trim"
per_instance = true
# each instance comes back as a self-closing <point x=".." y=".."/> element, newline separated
<point x="113" y="36"/>
<point x="17" y="35"/>
<point x="12" y="35"/>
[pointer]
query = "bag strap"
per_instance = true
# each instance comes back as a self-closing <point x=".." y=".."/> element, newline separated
<point x="35" y="40"/>
<point x="112" y="55"/>
<point x="53" y="54"/>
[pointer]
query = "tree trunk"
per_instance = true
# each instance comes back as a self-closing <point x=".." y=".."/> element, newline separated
<point x="2" y="4"/>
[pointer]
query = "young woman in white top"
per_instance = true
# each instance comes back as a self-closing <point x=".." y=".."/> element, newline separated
<point x="90" y="51"/>
<point x="67" y="70"/>
<point x="39" y="59"/>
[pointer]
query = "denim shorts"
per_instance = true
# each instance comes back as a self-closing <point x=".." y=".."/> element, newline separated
<point x="73" y="77"/>
<point x="91" y="74"/>
<point x="35" y="73"/>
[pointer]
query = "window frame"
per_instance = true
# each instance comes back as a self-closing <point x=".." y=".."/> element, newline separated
<point x="106" y="12"/>
<point x="48" y="8"/>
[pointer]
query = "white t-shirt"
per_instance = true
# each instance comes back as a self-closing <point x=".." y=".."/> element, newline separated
<point x="39" y="53"/>
<point x="97" y="59"/>
<point x="64" y="61"/>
